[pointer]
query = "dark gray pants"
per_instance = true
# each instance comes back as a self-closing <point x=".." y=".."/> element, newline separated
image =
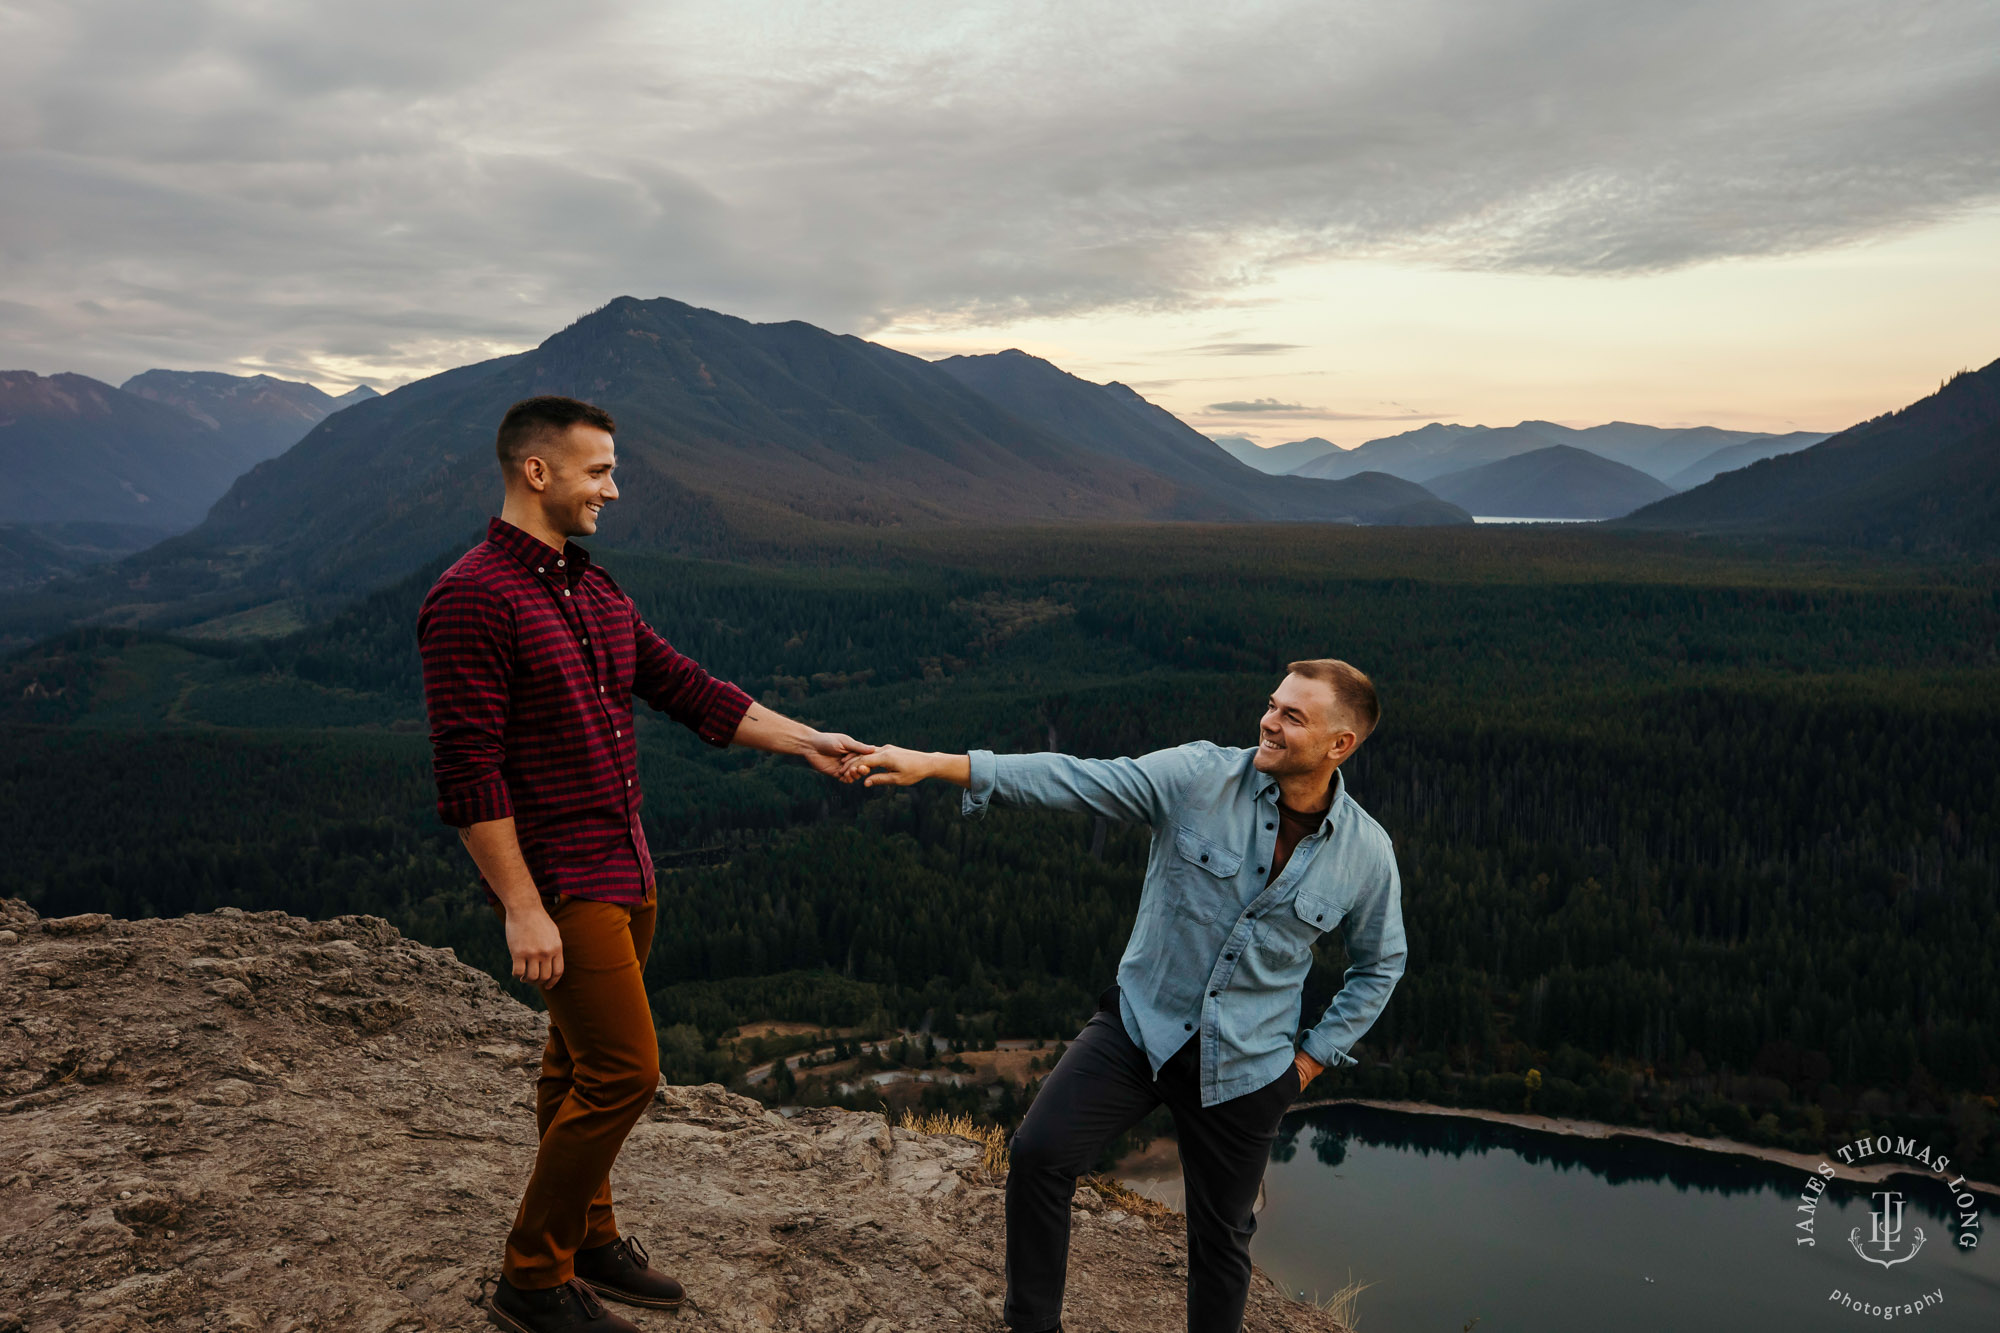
<point x="1099" y="1089"/>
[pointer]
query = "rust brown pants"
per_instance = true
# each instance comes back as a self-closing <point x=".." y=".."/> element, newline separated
<point x="599" y="1072"/>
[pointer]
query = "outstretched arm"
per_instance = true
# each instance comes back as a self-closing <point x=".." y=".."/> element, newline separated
<point x="827" y="751"/>
<point x="1139" y="790"/>
<point x="720" y="713"/>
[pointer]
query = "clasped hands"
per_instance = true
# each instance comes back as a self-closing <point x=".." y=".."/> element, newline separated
<point x="894" y="766"/>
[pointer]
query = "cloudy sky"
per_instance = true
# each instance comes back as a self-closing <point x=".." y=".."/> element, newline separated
<point x="1275" y="219"/>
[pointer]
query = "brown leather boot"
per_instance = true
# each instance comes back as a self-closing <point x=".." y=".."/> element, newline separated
<point x="622" y="1272"/>
<point x="570" y="1308"/>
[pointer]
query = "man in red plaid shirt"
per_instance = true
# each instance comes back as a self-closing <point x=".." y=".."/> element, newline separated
<point x="532" y="655"/>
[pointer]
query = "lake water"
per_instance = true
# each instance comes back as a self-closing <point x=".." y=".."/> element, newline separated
<point x="1453" y="1220"/>
<point x="1502" y="518"/>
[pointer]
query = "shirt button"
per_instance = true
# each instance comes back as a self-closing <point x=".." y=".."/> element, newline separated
<point x="628" y="782"/>
<point x="1270" y="826"/>
<point x="600" y="689"/>
<point x="1230" y="956"/>
<point x="1260" y="870"/>
<point x="1212" y="994"/>
<point x="586" y="638"/>
<point x="561" y="563"/>
<point x="540" y="570"/>
<point x="1249" y="916"/>
<point x="565" y="592"/>
<point x="616" y="732"/>
<point x="1187" y="1027"/>
<point x="1204" y="858"/>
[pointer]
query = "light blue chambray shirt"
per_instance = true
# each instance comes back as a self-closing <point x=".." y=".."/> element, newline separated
<point x="1212" y="947"/>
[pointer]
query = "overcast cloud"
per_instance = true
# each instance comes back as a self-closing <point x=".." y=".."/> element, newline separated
<point x="382" y="189"/>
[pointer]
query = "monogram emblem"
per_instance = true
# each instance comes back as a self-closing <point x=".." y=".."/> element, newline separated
<point x="1885" y="1232"/>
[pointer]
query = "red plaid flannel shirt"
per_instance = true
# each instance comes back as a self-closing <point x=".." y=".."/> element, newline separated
<point x="531" y="658"/>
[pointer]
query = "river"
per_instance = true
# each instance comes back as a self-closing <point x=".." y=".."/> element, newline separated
<point x="1453" y="1220"/>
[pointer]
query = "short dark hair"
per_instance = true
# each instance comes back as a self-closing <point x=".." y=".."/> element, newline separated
<point x="1352" y="690"/>
<point x="532" y="420"/>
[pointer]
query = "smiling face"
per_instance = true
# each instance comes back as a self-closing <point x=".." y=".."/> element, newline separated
<point x="1304" y="730"/>
<point x="571" y="481"/>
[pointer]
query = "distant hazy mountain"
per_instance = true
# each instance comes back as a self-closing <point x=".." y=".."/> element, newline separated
<point x="730" y="434"/>
<point x="1733" y="456"/>
<point x="1428" y="451"/>
<point x="1926" y="478"/>
<point x="156" y="452"/>
<point x="1112" y="420"/>
<point x="1279" y="458"/>
<point x="254" y="416"/>
<point x="74" y="448"/>
<point x="1435" y="450"/>
<point x="1560" y="481"/>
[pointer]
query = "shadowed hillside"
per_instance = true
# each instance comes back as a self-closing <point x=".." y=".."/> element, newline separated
<point x="1926" y="478"/>
<point x="1557" y="482"/>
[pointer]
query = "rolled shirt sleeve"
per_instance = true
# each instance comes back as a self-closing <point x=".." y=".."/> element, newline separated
<point x="675" y="685"/>
<point x="1377" y="951"/>
<point x="465" y="639"/>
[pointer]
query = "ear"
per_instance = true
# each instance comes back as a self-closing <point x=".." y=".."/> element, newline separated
<point x="1345" y="743"/>
<point x="535" y="471"/>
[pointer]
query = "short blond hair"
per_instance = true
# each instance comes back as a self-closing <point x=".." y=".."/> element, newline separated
<point x="1352" y="689"/>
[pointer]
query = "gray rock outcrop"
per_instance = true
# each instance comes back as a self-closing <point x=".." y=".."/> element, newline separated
<point x="257" y="1122"/>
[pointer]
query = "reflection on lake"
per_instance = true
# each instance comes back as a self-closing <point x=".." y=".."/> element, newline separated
<point x="1455" y="1219"/>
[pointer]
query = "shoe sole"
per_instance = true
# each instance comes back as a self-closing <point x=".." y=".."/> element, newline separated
<point x="513" y="1325"/>
<point x="631" y="1298"/>
<point x="505" y="1320"/>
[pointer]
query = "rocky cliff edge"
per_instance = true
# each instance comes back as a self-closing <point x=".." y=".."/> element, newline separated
<point x="257" y="1122"/>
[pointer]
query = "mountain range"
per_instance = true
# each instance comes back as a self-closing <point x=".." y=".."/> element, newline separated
<point x="738" y="437"/>
<point x="1437" y="449"/>
<point x="731" y="434"/>
<point x="1113" y="420"/>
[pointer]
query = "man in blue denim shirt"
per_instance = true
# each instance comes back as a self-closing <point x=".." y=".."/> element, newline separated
<point x="1256" y="853"/>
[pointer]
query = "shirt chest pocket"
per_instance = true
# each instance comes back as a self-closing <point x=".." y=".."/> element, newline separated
<point x="1205" y="854"/>
<point x="1203" y="865"/>
<point x="1289" y="933"/>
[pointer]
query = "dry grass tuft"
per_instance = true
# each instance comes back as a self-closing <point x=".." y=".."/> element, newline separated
<point x="1123" y="1196"/>
<point x="993" y="1162"/>
<point x="992" y="1142"/>
<point x="1344" y="1304"/>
